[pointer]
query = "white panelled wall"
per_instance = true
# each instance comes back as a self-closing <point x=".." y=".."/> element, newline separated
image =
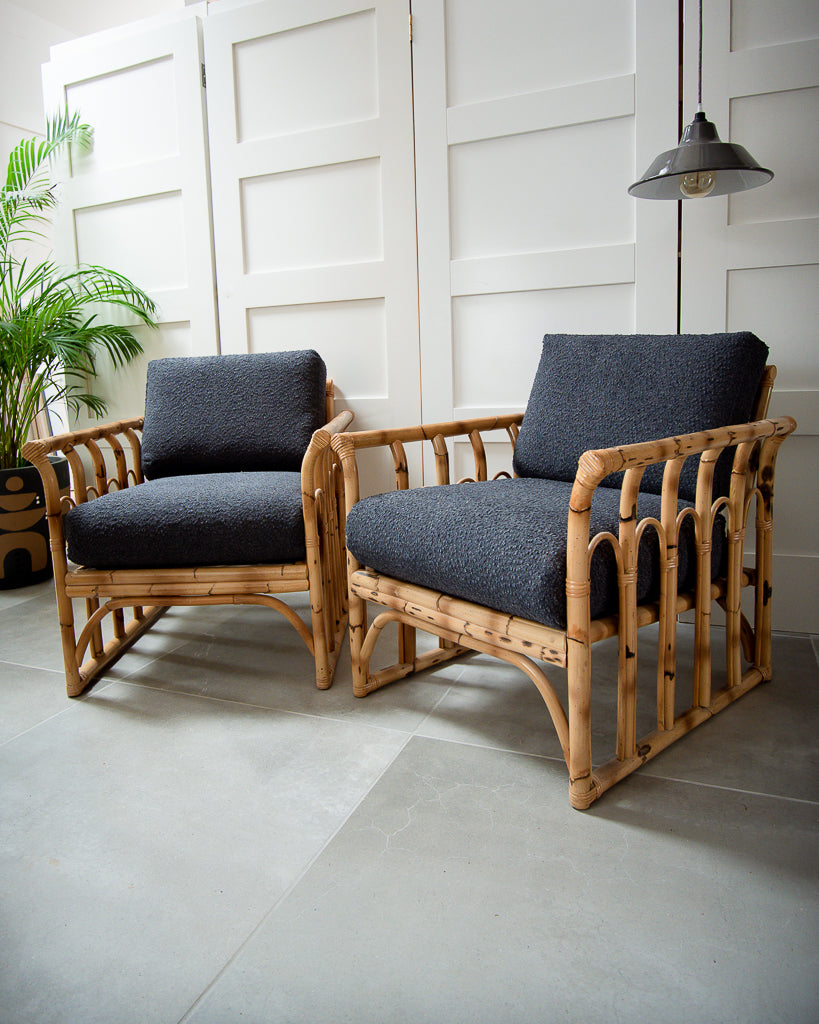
<point x="751" y="261"/>
<point x="139" y="202"/>
<point x="423" y="212"/>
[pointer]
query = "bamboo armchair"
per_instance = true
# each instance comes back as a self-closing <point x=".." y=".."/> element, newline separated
<point x="107" y="460"/>
<point x="696" y="549"/>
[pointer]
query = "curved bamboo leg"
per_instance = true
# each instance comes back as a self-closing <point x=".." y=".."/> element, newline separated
<point x="464" y="643"/>
<point x="93" y="667"/>
<point x="374" y="681"/>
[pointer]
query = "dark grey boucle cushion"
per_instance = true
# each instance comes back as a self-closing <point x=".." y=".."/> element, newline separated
<point x="211" y="519"/>
<point x="223" y="414"/>
<point x="503" y="544"/>
<point x="600" y="391"/>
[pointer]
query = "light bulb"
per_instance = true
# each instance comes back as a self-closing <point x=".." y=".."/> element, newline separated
<point x="698" y="184"/>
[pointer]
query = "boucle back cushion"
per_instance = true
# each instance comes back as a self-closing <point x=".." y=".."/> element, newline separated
<point x="600" y="391"/>
<point x="222" y="414"/>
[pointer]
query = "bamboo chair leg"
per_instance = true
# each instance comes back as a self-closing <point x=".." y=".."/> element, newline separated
<point x="358" y="629"/>
<point x="582" y="785"/>
<point x="97" y="645"/>
<point x="65" y="610"/>
<point x="406" y="643"/>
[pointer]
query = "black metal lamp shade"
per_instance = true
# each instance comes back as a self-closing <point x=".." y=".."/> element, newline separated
<point x="701" y="165"/>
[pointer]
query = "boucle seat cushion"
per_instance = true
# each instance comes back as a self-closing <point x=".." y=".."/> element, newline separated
<point x="502" y="544"/>
<point x="198" y="519"/>
<point x="608" y="390"/>
<point x="227" y="413"/>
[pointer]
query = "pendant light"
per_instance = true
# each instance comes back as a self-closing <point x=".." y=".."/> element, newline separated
<point x="701" y="165"/>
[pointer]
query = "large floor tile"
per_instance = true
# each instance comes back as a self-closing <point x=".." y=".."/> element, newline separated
<point x="17" y="595"/>
<point x="145" y="835"/>
<point x="764" y="743"/>
<point x="464" y="889"/>
<point x="29" y="696"/>
<point x="254" y="656"/>
<point x="30" y="635"/>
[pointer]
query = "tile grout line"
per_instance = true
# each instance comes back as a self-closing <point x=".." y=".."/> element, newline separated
<point x="731" y="789"/>
<point x="290" y="888"/>
<point x="639" y="775"/>
<point x="76" y="701"/>
<point x="338" y="719"/>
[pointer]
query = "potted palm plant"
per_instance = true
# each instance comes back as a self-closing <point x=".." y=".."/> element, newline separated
<point x="51" y="334"/>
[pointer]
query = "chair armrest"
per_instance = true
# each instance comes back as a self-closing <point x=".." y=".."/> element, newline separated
<point x="346" y="445"/>
<point x="428" y="431"/>
<point x="339" y="422"/>
<point x="595" y="465"/>
<point x="44" y="446"/>
<point x="119" y="436"/>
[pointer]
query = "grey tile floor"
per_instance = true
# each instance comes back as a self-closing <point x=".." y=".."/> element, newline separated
<point x="206" y="838"/>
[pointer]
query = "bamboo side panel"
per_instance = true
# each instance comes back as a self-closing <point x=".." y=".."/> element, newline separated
<point x="527" y="637"/>
<point x="208" y="574"/>
<point x="615" y="770"/>
<point x="152" y="592"/>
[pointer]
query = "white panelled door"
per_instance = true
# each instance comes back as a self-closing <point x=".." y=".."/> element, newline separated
<point x="751" y="260"/>
<point x="139" y="202"/>
<point x="310" y="115"/>
<point x="532" y="119"/>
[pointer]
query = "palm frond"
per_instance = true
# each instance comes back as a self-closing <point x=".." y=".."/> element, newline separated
<point x="51" y="318"/>
<point x="28" y="193"/>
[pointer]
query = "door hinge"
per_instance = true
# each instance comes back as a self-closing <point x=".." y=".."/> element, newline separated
<point x="204" y="77"/>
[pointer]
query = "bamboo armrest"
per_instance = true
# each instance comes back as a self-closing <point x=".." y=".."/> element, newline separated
<point x="428" y="431"/>
<point x="595" y="465"/>
<point x="346" y="445"/>
<point x="340" y="422"/>
<point x="37" y="451"/>
<point x="120" y="436"/>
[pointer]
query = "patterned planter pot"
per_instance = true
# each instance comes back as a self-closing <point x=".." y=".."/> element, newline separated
<point x="25" y="557"/>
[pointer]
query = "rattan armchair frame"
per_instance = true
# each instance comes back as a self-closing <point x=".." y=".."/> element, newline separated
<point x="136" y="598"/>
<point x="462" y="626"/>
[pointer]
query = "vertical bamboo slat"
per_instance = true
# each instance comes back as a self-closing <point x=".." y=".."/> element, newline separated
<point x="441" y="459"/>
<point x="627" y="638"/>
<point x="98" y="462"/>
<point x="479" y="453"/>
<point x="669" y="574"/>
<point x="120" y="464"/>
<point x="704" y="528"/>
<point x="136" y="454"/>
<point x="400" y="463"/>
